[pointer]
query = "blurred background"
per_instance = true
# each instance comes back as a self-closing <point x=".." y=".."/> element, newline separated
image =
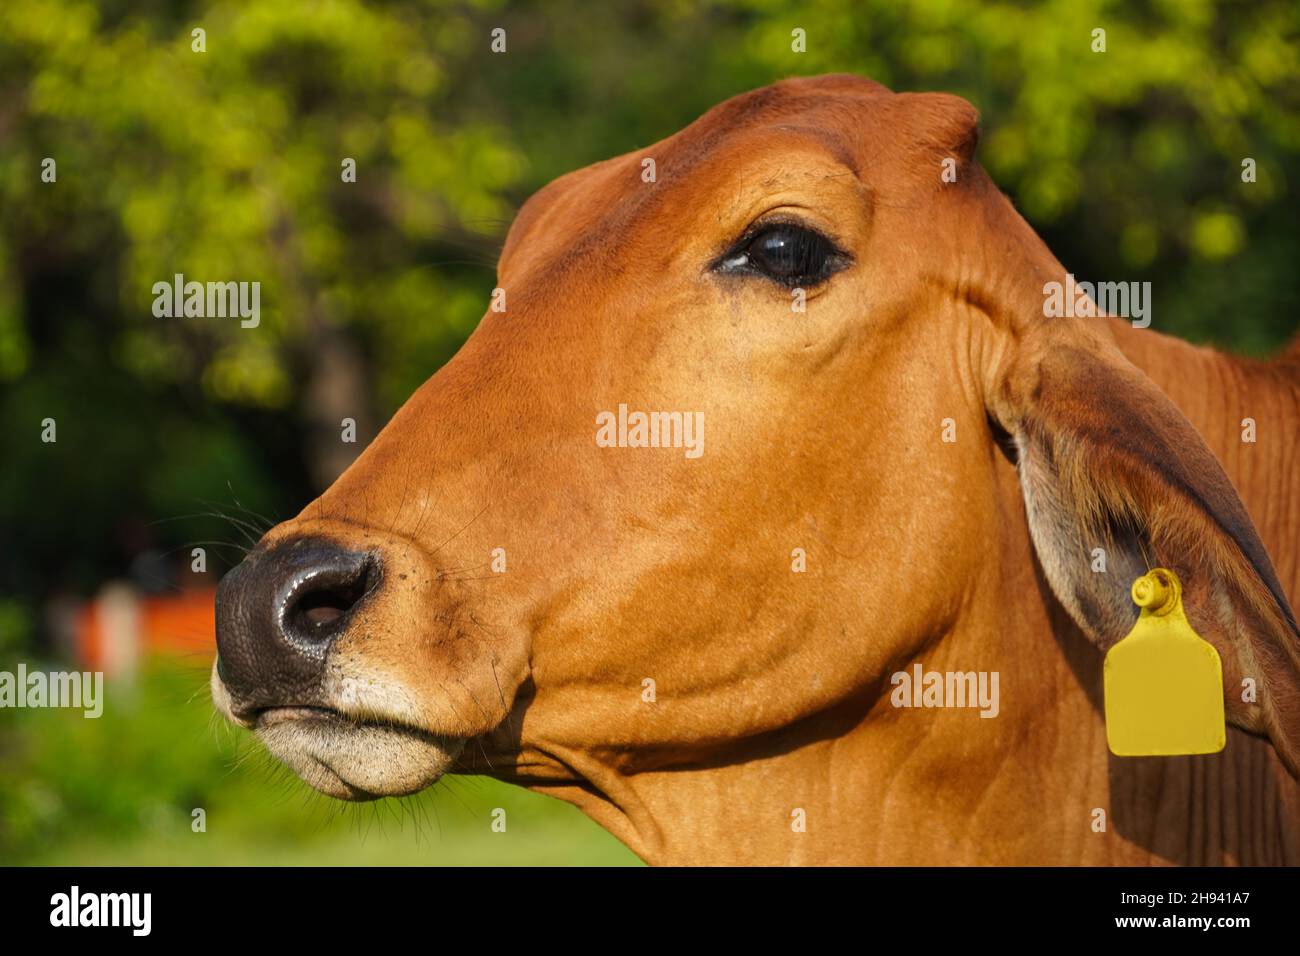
<point x="177" y="434"/>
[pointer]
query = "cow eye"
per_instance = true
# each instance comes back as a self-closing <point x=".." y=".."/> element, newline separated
<point x="788" y="253"/>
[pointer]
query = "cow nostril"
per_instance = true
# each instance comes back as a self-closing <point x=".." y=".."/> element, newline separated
<point x="326" y="612"/>
<point x="280" y="611"/>
<point x="319" y="609"/>
<point x="318" y="604"/>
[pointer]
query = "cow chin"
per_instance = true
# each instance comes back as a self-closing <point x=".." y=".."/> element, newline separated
<point x="356" y="761"/>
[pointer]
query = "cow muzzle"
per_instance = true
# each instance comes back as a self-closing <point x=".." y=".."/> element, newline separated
<point x="305" y="628"/>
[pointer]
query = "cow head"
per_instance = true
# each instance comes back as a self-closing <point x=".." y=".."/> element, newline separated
<point x="818" y="285"/>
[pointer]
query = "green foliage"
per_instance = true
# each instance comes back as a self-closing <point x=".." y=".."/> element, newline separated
<point x="225" y="165"/>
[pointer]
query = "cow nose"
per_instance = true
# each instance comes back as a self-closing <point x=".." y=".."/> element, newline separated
<point x="278" y="614"/>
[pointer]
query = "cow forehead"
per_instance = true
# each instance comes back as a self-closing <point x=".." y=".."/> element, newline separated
<point x="576" y="217"/>
<point x="830" y="109"/>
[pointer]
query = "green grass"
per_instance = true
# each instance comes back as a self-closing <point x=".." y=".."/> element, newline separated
<point x="121" y="790"/>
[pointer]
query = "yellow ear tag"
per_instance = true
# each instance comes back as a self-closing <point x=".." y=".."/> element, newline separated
<point x="1163" y="683"/>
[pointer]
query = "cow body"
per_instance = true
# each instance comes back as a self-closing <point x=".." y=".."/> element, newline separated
<point x="654" y="655"/>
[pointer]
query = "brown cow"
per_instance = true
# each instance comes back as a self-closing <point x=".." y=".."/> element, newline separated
<point x="490" y="589"/>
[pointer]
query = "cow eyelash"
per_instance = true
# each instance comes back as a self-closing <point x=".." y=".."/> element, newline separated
<point x="786" y="252"/>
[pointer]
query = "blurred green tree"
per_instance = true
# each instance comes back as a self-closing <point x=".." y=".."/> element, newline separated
<point x="227" y="165"/>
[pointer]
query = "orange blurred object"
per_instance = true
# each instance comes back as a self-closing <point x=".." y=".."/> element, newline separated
<point x="121" y="626"/>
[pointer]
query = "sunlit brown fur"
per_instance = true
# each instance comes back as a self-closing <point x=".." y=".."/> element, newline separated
<point x="823" y="433"/>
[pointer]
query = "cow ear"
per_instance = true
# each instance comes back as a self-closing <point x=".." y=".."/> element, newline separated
<point x="943" y="126"/>
<point x="1116" y="481"/>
